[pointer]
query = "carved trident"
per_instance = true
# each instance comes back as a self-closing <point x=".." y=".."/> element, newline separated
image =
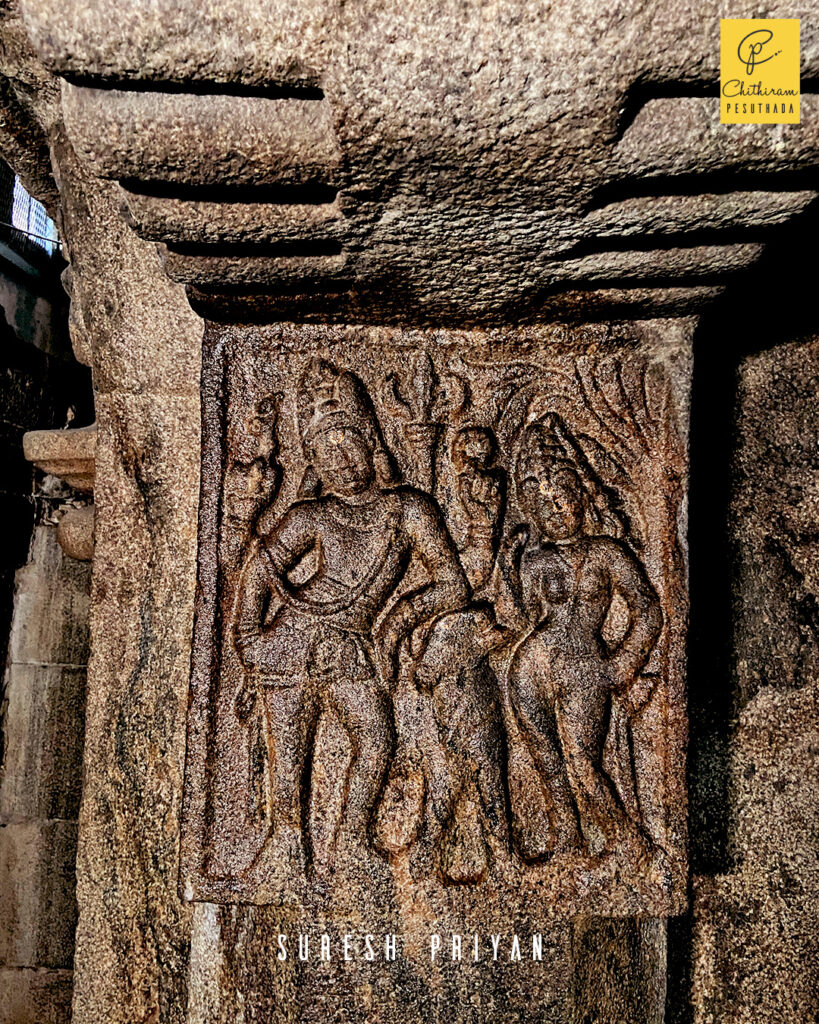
<point x="422" y="403"/>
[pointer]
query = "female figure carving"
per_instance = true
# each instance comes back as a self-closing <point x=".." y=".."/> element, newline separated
<point x="563" y="570"/>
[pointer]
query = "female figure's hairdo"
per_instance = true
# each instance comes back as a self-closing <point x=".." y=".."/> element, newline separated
<point x="547" y="445"/>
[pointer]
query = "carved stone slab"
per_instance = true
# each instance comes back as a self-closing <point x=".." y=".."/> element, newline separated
<point x="441" y="621"/>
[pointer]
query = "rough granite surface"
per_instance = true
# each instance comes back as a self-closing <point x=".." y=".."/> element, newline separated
<point x="486" y="164"/>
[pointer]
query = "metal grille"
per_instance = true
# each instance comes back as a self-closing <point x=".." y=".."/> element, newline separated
<point x="25" y="226"/>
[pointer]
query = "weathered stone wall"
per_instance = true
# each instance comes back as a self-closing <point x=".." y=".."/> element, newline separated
<point x="755" y="921"/>
<point x="40" y="783"/>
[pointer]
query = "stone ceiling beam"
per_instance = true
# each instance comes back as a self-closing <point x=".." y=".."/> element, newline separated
<point x="273" y="146"/>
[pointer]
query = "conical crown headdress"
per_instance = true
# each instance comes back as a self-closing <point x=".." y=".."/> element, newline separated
<point x="329" y="398"/>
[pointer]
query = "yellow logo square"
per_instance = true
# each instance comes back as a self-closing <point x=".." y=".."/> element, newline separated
<point x="759" y="71"/>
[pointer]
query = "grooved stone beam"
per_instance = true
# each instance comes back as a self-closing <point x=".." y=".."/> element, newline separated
<point x="634" y="300"/>
<point x="177" y="220"/>
<point x="646" y="215"/>
<point x="298" y="40"/>
<point x="182" y="39"/>
<point x="643" y="264"/>
<point x="683" y="136"/>
<point x="271" y="271"/>
<point x="187" y="139"/>
<point x="573" y="303"/>
<point x="455" y="171"/>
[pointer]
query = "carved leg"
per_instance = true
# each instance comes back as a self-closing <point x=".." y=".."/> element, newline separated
<point x="534" y="715"/>
<point x="291" y="718"/>
<point x="464" y="855"/>
<point x="362" y="710"/>
<point x="582" y="718"/>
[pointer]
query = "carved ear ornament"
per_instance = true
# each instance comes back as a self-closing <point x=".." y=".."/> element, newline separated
<point x="267" y="410"/>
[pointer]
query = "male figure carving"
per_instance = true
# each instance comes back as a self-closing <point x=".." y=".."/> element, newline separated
<point x="310" y="646"/>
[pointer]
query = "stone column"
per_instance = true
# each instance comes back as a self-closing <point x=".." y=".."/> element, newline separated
<point x="43" y="719"/>
<point x="411" y="661"/>
<point x="144" y="343"/>
<point x="754" y="913"/>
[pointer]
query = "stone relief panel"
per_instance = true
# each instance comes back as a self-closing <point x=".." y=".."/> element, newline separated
<point x="440" y="629"/>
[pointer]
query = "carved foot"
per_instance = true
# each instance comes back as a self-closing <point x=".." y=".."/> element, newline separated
<point x="401" y="808"/>
<point x="636" y="848"/>
<point x="464" y="856"/>
<point x="531" y="823"/>
<point x="281" y="864"/>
